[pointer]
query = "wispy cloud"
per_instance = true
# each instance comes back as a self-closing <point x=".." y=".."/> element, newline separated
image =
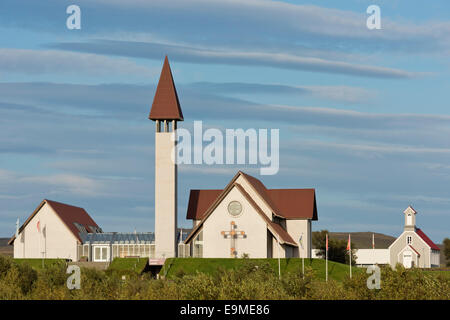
<point x="334" y="93"/>
<point x="152" y="50"/>
<point x="26" y="61"/>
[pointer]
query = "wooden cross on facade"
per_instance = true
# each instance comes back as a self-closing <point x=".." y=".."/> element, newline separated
<point x="233" y="234"/>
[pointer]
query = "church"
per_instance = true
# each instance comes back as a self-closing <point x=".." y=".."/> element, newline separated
<point x="243" y="219"/>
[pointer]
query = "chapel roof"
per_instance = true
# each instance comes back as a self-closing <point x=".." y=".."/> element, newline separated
<point x="427" y="240"/>
<point x="77" y="220"/>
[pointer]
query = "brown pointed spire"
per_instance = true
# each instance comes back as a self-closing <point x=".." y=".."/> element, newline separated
<point x="165" y="103"/>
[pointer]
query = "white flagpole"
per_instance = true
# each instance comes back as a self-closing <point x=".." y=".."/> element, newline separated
<point x="279" y="265"/>
<point x="373" y="248"/>
<point x="326" y="259"/>
<point x="350" y="254"/>
<point x="303" y="256"/>
<point x="303" y="266"/>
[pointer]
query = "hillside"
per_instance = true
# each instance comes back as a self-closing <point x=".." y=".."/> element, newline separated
<point x="363" y="240"/>
<point x="6" y="249"/>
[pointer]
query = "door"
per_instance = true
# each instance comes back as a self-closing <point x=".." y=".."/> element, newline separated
<point x="101" y="253"/>
<point x="407" y="259"/>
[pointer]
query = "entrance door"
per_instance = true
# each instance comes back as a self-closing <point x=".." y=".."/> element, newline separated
<point x="101" y="253"/>
<point x="407" y="259"/>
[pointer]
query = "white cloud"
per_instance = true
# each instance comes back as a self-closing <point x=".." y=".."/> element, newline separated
<point x="150" y="50"/>
<point x="25" y="61"/>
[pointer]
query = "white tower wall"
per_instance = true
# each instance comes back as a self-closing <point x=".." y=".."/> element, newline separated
<point x="165" y="194"/>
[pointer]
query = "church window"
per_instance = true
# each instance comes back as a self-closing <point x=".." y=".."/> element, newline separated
<point x="198" y="246"/>
<point x="409" y="239"/>
<point x="234" y="208"/>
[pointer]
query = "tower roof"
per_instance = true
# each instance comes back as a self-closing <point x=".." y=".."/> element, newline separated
<point x="165" y="103"/>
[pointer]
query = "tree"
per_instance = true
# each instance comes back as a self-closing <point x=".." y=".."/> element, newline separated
<point x="337" y="249"/>
<point x="447" y="250"/>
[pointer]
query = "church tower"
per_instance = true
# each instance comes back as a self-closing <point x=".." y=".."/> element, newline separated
<point x="410" y="219"/>
<point x="165" y="112"/>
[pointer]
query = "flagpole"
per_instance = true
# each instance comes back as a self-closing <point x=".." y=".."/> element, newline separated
<point x="279" y="266"/>
<point x="373" y="248"/>
<point x="326" y="259"/>
<point x="350" y="254"/>
<point x="303" y="266"/>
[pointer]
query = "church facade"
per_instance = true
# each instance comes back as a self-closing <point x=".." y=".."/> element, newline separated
<point x="247" y="219"/>
<point x="413" y="248"/>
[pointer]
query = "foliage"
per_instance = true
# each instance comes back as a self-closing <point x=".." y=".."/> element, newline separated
<point x="337" y="249"/>
<point x="447" y="250"/>
<point x="251" y="279"/>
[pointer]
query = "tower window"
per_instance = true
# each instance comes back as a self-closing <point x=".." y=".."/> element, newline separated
<point x="408" y="239"/>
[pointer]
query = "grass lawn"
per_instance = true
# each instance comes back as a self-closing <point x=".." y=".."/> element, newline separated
<point x="336" y="271"/>
<point x="39" y="263"/>
<point x="128" y="264"/>
<point x="437" y="273"/>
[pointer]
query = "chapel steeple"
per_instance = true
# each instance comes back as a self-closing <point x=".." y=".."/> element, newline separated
<point x="410" y="218"/>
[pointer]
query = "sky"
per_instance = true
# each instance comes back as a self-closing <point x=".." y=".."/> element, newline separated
<point x="363" y="114"/>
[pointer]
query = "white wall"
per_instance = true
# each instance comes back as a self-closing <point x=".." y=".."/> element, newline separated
<point x="296" y="228"/>
<point x="372" y="256"/>
<point x="59" y="241"/>
<point x="255" y="228"/>
<point x="165" y="195"/>
<point x="365" y="256"/>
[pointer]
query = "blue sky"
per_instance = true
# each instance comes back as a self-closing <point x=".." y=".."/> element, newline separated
<point x="363" y="114"/>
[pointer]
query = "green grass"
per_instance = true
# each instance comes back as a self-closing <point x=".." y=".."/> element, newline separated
<point x="39" y="263"/>
<point x="128" y="264"/>
<point x="437" y="273"/>
<point x="336" y="271"/>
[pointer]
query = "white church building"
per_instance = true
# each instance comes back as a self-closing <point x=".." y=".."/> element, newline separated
<point x="244" y="218"/>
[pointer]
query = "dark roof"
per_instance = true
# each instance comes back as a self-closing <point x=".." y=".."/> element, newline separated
<point x="286" y="203"/>
<point x="129" y="237"/>
<point x="166" y="105"/>
<point x="75" y="218"/>
<point x="427" y="240"/>
<point x="118" y="237"/>
<point x="200" y="201"/>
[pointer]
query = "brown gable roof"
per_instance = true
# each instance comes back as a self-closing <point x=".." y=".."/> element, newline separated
<point x="295" y="203"/>
<point x="285" y="203"/>
<point x="275" y="228"/>
<point x="166" y="105"/>
<point x="200" y="201"/>
<point x="68" y="214"/>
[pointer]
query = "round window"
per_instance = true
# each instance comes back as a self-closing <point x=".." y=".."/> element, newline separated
<point x="234" y="208"/>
